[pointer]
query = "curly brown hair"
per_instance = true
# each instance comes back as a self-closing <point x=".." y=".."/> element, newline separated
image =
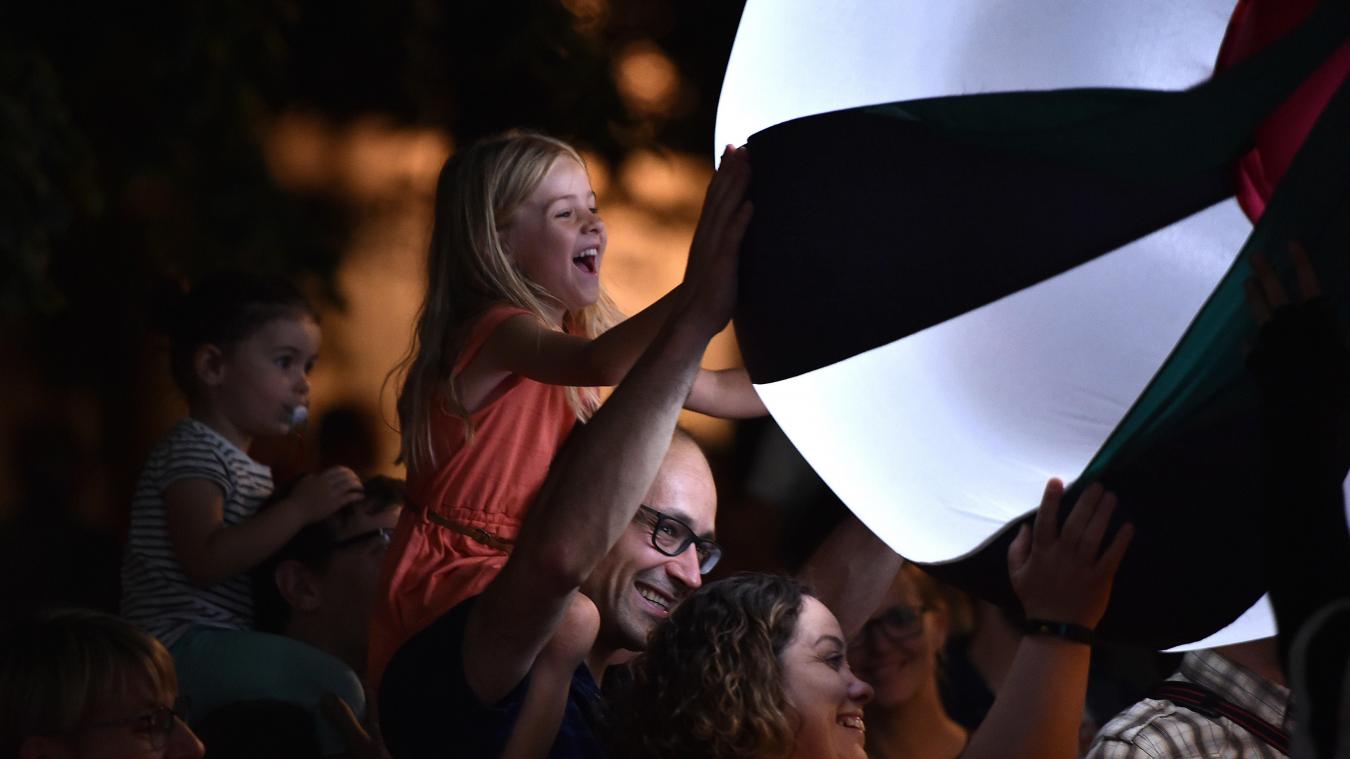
<point x="710" y="683"/>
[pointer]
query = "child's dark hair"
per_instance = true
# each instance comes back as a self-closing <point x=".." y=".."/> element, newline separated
<point x="313" y="546"/>
<point x="223" y="309"/>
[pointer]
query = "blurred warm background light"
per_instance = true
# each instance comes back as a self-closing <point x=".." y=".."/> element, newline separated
<point x="367" y="160"/>
<point x="304" y="139"/>
<point x="647" y="79"/>
<point x="589" y="13"/>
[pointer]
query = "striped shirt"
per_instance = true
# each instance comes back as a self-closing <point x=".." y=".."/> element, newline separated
<point x="1161" y="730"/>
<point x="156" y="594"/>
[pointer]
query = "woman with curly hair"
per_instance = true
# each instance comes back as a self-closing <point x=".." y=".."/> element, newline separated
<point x="754" y="666"/>
<point x="731" y="676"/>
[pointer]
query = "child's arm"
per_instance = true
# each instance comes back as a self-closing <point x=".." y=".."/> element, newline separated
<point x="211" y="551"/>
<point x="725" y="393"/>
<point x="551" y="679"/>
<point x="521" y="345"/>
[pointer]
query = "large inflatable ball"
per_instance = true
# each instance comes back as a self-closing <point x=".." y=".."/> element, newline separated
<point x="996" y="242"/>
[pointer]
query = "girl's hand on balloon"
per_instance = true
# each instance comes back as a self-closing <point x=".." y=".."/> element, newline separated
<point x="1061" y="574"/>
<point x="710" y="276"/>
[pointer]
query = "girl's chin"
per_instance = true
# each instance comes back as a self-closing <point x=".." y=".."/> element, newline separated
<point x="581" y="303"/>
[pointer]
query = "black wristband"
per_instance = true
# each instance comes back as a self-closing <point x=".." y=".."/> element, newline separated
<point x="1065" y="630"/>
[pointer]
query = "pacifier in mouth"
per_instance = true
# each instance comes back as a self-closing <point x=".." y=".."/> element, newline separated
<point x="299" y="415"/>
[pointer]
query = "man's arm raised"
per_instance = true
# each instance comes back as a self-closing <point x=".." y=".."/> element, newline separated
<point x="599" y="478"/>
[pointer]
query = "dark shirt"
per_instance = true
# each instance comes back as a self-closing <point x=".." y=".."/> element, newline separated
<point x="966" y="697"/>
<point x="428" y="710"/>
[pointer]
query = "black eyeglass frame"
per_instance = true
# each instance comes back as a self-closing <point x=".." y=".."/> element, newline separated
<point x="384" y="533"/>
<point x="879" y="624"/>
<point x="709" y="552"/>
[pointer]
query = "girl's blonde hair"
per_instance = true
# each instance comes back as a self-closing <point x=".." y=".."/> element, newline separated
<point x="468" y="270"/>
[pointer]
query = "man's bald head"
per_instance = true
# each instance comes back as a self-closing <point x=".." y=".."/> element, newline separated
<point x="636" y="585"/>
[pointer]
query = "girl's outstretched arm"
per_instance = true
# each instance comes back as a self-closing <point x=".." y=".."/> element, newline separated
<point x="524" y="346"/>
<point x="726" y="393"/>
<point x="1062" y="576"/>
<point x="212" y="551"/>
<point x="521" y="345"/>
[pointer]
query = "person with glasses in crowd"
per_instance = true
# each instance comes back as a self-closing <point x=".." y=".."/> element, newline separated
<point x="898" y="653"/>
<point x="590" y="572"/>
<point x="320" y="589"/>
<point x="85" y="685"/>
<point x="512" y="342"/>
<point x="556" y="708"/>
<point x="757" y="666"/>
<point x="620" y="533"/>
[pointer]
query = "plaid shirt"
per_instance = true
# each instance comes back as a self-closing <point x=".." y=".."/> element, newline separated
<point x="1160" y="730"/>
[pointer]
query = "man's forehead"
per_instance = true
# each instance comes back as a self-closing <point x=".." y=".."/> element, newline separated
<point x="363" y="519"/>
<point x="702" y="526"/>
<point x="684" y="489"/>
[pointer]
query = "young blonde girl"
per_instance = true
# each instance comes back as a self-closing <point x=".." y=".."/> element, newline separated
<point x="241" y="349"/>
<point x="513" y="336"/>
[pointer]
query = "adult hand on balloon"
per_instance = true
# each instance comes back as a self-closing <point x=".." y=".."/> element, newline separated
<point x="710" y="275"/>
<point x="1061" y="574"/>
<point x="1266" y="293"/>
<point x="1300" y="360"/>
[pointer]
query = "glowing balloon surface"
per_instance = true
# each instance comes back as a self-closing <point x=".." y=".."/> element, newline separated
<point x="941" y="435"/>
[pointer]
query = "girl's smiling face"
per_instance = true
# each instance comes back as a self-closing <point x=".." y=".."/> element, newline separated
<point x="823" y="692"/>
<point x="557" y="239"/>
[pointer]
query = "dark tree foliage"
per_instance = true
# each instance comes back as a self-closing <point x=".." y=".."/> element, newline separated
<point x="131" y="139"/>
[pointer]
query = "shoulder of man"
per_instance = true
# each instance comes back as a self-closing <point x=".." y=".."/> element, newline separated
<point x="1155" y="729"/>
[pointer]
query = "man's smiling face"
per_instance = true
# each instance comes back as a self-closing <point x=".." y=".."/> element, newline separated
<point x="636" y="586"/>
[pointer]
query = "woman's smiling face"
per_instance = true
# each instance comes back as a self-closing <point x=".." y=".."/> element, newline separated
<point x="823" y="692"/>
<point x="897" y="649"/>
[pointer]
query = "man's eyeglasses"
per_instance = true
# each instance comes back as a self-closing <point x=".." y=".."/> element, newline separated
<point x="673" y="537"/>
<point x="898" y="623"/>
<point x="385" y="534"/>
<point x="157" y="724"/>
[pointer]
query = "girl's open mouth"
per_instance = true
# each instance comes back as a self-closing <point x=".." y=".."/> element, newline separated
<point x="587" y="260"/>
